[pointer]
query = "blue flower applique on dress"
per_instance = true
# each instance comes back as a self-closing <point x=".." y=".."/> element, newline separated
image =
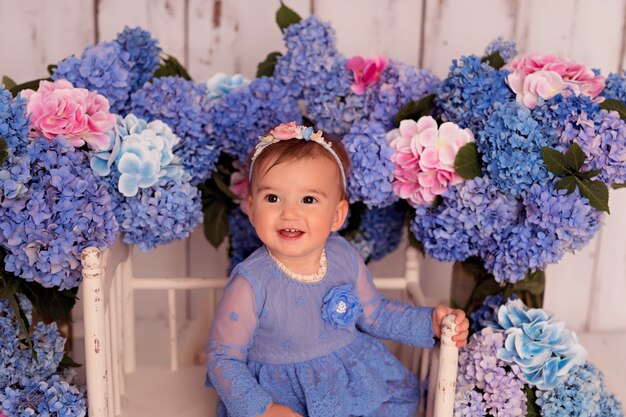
<point x="341" y="307"/>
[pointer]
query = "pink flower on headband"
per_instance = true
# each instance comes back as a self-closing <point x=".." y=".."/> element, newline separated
<point x="285" y="131"/>
<point x="366" y="71"/>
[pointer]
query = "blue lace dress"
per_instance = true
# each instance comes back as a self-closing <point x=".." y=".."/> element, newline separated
<point x="312" y="346"/>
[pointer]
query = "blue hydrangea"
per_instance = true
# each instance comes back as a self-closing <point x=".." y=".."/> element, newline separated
<point x="363" y="246"/>
<point x="14" y="179"/>
<point x="237" y="120"/>
<point x="511" y="144"/>
<point x="616" y="86"/>
<point x="487" y="314"/>
<point x="581" y="392"/>
<point x="51" y="397"/>
<point x="221" y="84"/>
<point x="469" y="403"/>
<point x="554" y="114"/>
<point x="144" y="54"/>
<point x="473" y="217"/>
<point x="506" y="48"/>
<point x="603" y="140"/>
<point x="64" y="211"/>
<point x="105" y="68"/>
<point x="467" y="95"/>
<point x="140" y="154"/>
<point x="372" y="169"/>
<point x="161" y="214"/>
<point x="399" y="84"/>
<point x="182" y="105"/>
<point x="383" y="228"/>
<point x="14" y="124"/>
<point x="243" y="237"/>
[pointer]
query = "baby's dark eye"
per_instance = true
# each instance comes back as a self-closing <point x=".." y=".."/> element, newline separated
<point x="309" y="200"/>
<point x="271" y="198"/>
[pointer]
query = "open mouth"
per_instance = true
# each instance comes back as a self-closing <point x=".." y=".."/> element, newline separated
<point x="290" y="233"/>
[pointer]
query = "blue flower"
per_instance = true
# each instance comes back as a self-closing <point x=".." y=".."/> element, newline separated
<point x="14" y="123"/>
<point x="182" y="105"/>
<point x="468" y="94"/>
<point x="487" y="314"/>
<point x="221" y="84"/>
<point x="63" y="211"/>
<point x="506" y="48"/>
<point x="372" y="169"/>
<point x="14" y="178"/>
<point x="144" y="54"/>
<point x="237" y="120"/>
<point x="383" y="228"/>
<point x="616" y="86"/>
<point x="243" y="237"/>
<point x="543" y="349"/>
<point x="341" y="307"/>
<point x="163" y="213"/>
<point x="363" y="246"/>
<point x="104" y="68"/>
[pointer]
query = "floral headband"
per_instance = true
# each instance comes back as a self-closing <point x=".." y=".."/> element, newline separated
<point x="287" y="131"/>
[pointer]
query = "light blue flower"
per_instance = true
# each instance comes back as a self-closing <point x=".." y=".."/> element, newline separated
<point x="341" y="307"/>
<point x="221" y="84"/>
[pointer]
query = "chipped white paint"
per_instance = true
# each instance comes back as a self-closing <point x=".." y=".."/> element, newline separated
<point x="447" y="370"/>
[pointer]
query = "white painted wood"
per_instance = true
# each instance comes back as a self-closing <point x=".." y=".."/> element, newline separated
<point x="32" y="35"/>
<point x="171" y="303"/>
<point x="373" y="27"/>
<point x="129" y="316"/>
<point x="114" y="351"/>
<point x="446" y="370"/>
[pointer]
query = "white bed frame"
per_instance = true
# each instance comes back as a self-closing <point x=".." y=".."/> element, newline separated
<point x="117" y="387"/>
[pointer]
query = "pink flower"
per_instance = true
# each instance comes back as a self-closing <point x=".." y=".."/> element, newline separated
<point x="81" y="116"/>
<point x="366" y="71"/>
<point x="239" y="186"/>
<point x="535" y="76"/>
<point x="424" y="157"/>
<point x="285" y="131"/>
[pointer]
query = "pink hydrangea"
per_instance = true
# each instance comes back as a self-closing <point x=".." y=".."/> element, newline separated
<point x="366" y="71"/>
<point x="80" y="115"/>
<point x="544" y="76"/>
<point x="424" y="158"/>
<point x="239" y="186"/>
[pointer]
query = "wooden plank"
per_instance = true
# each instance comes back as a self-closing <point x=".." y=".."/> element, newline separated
<point x="232" y="36"/>
<point x="32" y="37"/>
<point x="391" y="28"/>
<point x="456" y="27"/>
<point x="164" y="19"/>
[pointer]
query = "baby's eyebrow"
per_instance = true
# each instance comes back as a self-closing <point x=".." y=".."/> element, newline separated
<point x="318" y="192"/>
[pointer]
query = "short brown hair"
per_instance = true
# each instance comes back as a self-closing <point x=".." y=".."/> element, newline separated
<point x="294" y="149"/>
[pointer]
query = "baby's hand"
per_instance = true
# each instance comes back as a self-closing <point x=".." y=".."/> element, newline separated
<point x="462" y="324"/>
<point x="279" y="410"/>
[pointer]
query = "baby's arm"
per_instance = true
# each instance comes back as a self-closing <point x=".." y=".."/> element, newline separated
<point x="230" y="337"/>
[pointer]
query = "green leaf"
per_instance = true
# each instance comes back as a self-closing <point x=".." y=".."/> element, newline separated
<point x="68" y="362"/>
<point x="618" y="186"/>
<point x="266" y="68"/>
<point x="494" y="59"/>
<point x="286" y="17"/>
<point x="171" y="67"/>
<point x="555" y="161"/>
<point x="589" y="174"/>
<point x="532" y="409"/>
<point x="596" y="192"/>
<point x="8" y="82"/>
<point x="4" y="150"/>
<point x="415" y="109"/>
<point x="51" y="68"/>
<point x="51" y="303"/>
<point x="33" y="85"/>
<point x="615" y="105"/>
<point x="467" y="161"/>
<point x="215" y="222"/>
<point x="567" y="183"/>
<point x="575" y="157"/>
<point x="221" y="185"/>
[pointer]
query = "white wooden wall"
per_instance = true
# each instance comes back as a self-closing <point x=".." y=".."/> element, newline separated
<point x="586" y="289"/>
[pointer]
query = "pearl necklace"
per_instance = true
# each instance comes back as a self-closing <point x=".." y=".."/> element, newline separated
<point x="306" y="278"/>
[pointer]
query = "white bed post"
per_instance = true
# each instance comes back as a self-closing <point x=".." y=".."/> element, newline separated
<point x="128" y="313"/>
<point x="95" y="340"/>
<point x="446" y="370"/>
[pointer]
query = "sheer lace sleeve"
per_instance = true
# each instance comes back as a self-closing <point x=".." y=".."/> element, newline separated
<point x="389" y="319"/>
<point x="230" y="337"/>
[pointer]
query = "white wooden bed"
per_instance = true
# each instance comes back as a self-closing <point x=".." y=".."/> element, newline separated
<point x="116" y="386"/>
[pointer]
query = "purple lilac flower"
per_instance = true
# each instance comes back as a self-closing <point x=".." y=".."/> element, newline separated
<point x="243" y="237"/>
<point x="468" y="94"/>
<point x="372" y="169"/>
<point x="105" y="68"/>
<point x="580" y="392"/>
<point x="501" y="383"/>
<point x="183" y="106"/>
<point x="144" y="54"/>
<point x="616" y="86"/>
<point x="603" y="140"/>
<point x="506" y="48"/>
<point x="511" y="143"/>
<point x="237" y="120"/>
<point x="14" y="123"/>
<point x="161" y="214"/>
<point x="383" y="228"/>
<point x="48" y="397"/>
<point x="399" y="84"/>
<point x="64" y="211"/>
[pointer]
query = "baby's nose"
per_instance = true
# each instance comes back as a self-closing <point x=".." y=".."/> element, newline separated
<point x="290" y="211"/>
